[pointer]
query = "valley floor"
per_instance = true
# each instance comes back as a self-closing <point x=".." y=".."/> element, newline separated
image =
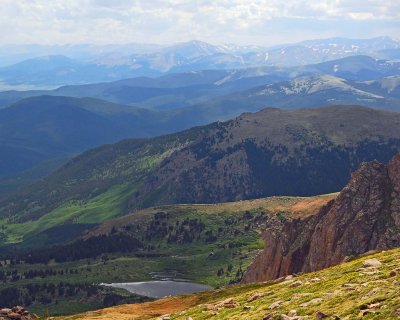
<point x="227" y="237"/>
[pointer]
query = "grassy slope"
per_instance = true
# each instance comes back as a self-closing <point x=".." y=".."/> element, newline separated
<point x="96" y="210"/>
<point x="81" y="191"/>
<point x="107" y="205"/>
<point x="343" y="291"/>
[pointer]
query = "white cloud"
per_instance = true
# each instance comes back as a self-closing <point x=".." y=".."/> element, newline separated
<point x="108" y="21"/>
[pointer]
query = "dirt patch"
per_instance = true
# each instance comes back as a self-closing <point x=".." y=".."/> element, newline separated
<point x="141" y="311"/>
<point x="311" y="206"/>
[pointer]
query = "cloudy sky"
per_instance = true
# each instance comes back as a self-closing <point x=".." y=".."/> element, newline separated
<point x="262" y="22"/>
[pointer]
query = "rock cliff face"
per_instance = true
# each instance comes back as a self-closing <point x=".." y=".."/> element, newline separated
<point x="364" y="217"/>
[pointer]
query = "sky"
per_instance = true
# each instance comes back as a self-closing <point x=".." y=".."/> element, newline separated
<point x="257" y="22"/>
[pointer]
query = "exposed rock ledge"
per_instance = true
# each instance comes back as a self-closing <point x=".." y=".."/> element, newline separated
<point x="364" y="217"/>
<point x="16" y="313"/>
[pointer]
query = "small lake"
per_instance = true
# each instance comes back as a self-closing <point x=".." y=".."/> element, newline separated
<point x="160" y="289"/>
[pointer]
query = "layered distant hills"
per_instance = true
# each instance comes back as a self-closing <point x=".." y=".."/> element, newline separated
<point x="41" y="129"/>
<point x="192" y="88"/>
<point x="50" y="66"/>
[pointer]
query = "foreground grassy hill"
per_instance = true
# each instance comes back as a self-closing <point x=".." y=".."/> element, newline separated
<point x="366" y="287"/>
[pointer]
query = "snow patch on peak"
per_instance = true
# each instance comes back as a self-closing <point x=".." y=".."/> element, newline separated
<point x="229" y="77"/>
<point x="335" y="68"/>
<point x="311" y="85"/>
<point x="390" y="83"/>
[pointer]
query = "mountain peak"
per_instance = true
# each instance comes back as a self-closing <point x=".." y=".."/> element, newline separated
<point x="192" y="49"/>
<point x="314" y="84"/>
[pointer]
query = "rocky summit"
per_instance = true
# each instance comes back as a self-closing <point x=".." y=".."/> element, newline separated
<point x="364" y="217"/>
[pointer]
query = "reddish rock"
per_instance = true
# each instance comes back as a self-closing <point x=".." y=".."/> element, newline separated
<point x="320" y="316"/>
<point x="296" y="284"/>
<point x="14" y="316"/>
<point x="5" y="311"/>
<point x="393" y="273"/>
<point x="364" y="217"/>
<point x="16" y="313"/>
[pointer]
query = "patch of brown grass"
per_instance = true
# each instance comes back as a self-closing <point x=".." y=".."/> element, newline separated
<point x="170" y="305"/>
<point x="141" y="311"/>
<point x="297" y="206"/>
<point x="310" y="206"/>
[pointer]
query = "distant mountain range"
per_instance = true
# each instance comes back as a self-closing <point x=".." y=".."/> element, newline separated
<point x="191" y="88"/>
<point x="325" y="90"/>
<point x="83" y="52"/>
<point x="88" y="64"/>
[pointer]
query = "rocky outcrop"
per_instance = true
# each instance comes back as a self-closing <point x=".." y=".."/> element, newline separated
<point x="16" y="313"/>
<point x="364" y="217"/>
